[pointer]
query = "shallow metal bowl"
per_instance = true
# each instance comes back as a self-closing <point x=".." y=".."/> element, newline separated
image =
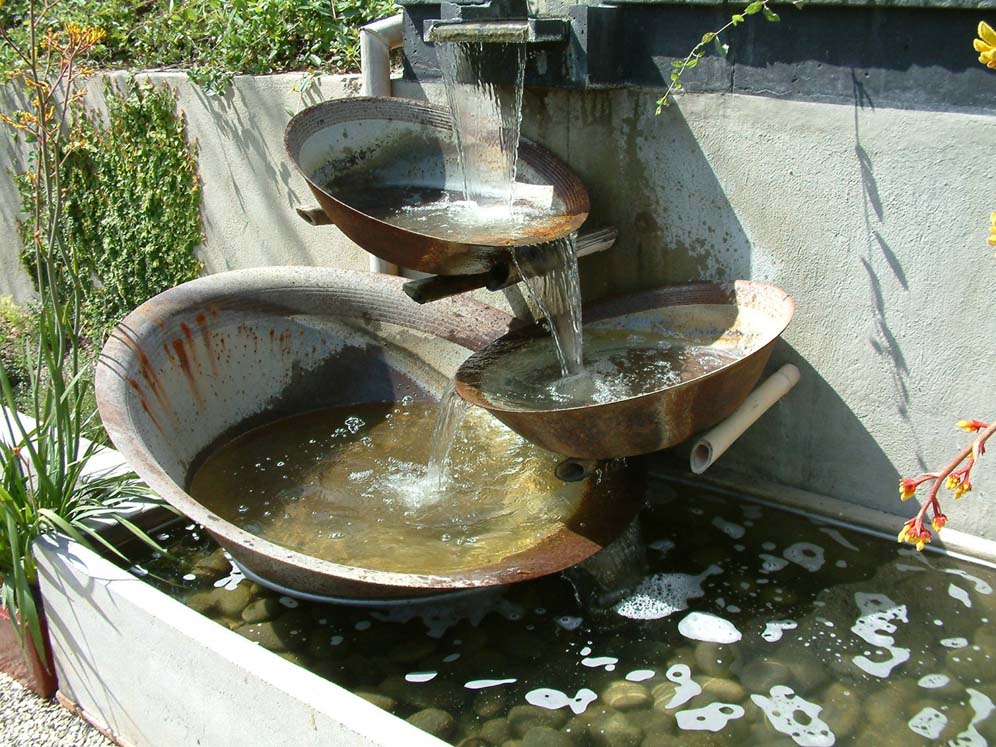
<point x="223" y="353"/>
<point x="751" y="315"/>
<point x="389" y="142"/>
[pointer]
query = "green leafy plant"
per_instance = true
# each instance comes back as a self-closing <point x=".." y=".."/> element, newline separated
<point x="131" y="204"/>
<point x="214" y="40"/>
<point x="715" y="40"/>
<point x="44" y="455"/>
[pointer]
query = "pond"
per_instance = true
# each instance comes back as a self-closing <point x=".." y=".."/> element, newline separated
<point x="751" y="626"/>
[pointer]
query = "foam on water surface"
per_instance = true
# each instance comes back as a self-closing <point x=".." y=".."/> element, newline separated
<point x="663" y="594"/>
<point x="780" y="707"/>
<point x="702" y="626"/>
<point x="551" y="699"/>
<point x="875" y="626"/>
<point x="929" y="723"/>
<point x="713" y="717"/>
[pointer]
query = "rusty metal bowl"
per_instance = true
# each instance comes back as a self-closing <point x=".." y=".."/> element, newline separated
<point x="385" y="143"/>
<point x="224" y="353"/>
<point x="747" y="316"/>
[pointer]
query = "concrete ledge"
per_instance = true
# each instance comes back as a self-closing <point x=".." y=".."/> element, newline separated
<point x="150" y="671"/>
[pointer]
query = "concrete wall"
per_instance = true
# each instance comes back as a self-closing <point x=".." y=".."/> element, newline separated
<point x="873" y="218"/>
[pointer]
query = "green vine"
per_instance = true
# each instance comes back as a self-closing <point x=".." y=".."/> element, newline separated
<point x="131" y="203"/>
<point x="714" y="39"/>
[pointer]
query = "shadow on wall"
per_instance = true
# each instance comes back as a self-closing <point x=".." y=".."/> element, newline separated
<point x="784" y="448"/>
<point x="647" y="176"/>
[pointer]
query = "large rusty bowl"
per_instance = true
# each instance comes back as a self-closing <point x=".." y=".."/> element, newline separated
<point x="746" y="316"/>
<point x="222" y="353"/>
<point x="392" y="143"/>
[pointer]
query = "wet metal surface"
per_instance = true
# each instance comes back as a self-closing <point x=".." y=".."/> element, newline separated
<point x="752" y="314"/>
<point x="223" y="353"/>
<point x="402" y="143"/>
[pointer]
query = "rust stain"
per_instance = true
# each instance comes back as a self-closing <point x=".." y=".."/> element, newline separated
<point x="145" y="404"/>
<point x="181" y="354"/>
<point x="208" y="344"/>
<point x="189" y="335"/>
<point x="148" y="372"/>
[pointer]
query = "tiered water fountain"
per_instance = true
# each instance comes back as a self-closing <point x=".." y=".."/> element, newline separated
<point x="290" y="411"/>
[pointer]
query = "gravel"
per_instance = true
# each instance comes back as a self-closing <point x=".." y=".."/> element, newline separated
<point x="29" y="721"/>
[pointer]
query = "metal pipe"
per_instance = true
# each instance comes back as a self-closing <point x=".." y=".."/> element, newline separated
<point x="713" y="444"/>
<point x="501" y="275"/>
<point x="377" y="39"/>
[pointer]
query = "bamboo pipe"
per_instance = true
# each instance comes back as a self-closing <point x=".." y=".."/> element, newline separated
<point x="713" y="443"/>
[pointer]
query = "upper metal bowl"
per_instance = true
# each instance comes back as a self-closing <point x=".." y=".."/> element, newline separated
<point x="400" y="143"/>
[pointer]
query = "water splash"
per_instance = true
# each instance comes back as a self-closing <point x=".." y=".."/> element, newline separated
<point x="452" y="411"/>
<point x="550" y="272"/>
<point x="484" y="89"/>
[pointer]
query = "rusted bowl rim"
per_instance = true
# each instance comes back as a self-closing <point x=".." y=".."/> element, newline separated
<point x="617" y="306"/>
<point x="581" y="535"/>
<point x="578" y="192"/>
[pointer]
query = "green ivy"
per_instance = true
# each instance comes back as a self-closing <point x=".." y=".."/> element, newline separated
<point x="132" y="203"/>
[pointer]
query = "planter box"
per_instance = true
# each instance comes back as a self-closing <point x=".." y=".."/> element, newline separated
<point x="26" y="666"/>
<point x="150" y="671"/>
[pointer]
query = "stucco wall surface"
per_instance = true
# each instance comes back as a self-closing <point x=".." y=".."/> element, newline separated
<point x="873" y="219"/>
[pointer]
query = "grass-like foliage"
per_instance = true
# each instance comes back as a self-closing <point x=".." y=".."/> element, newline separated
<point x="215" y="40"/>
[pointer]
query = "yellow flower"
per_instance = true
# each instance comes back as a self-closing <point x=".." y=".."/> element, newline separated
<point x="964" y="487"/>
<point x="952" y="482"/>
<point x="992" y="230"/>
<point x="907" y="488"/>
<point x="985" y="45"/>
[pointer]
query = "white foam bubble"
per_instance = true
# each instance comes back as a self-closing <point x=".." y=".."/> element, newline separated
<point x="450" y="658"/>
<point x="363" y="625"/>
<point x="597" y="662"/>
<point x="336" y="640"/>
<point x="713" y="717"/>
<point x="551" y="699"/>
<point x="289" y="602"/>
<point x="702" y="626"/>
<point x="982" y="707"/>
<point x="774" y="629"/>
<point x="928" y="723"/>
<point x="906" y="568"/>
<point x="420" y="676"/>
<point x="639" y="675"/>
<point x="663" y="594"/>
<point x="954" y="642"/>
<point x="568" y="622"/>
<point x="806" y="554"/>
<point x="772" y="563"/>
<point x="780" y="709"/>
<point x="681" y="675"/>
<point x="734" y="531"/>
<point x="980" y="586"/>
<point x="933" y="681"/>
<point x="956" y="592"/>
<point x="663" y="546"/>
<point x="874" y="626"/>
<point x="483" y="684"/>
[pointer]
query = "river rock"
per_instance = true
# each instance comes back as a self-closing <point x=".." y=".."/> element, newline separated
<point x="266" y="634"/>
<point x="892" y="702"/>
<point x="212" y="567"/>
<point x="522" y="718"/>
<point x="616" y="731"/>
<point x="491" y="702"/>
<point x="969" y="665"/>
<point x="496" y="731"/>
<point x="410" y="651"/>
<point x="760" y="675"/>
<point x="808" y="672"/>
<point x="435" y="721"/>
<point x="627" y="696"/>
<point x="841" y="709"/>
<point x="652" y="721"/>
<point x="723" y="690"/>
<point x="544" y="736"/>
<point x="716" y="660"/>
<point x="262" y="610"/>
<point x="384" y="702"/>
<point x="524" y="647"/>
<point x="230" y="604"/>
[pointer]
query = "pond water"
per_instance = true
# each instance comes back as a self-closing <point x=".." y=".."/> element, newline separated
<point x="752" y="626"/>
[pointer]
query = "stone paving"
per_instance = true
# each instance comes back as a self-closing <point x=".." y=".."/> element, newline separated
<point x="29" y="721"/>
